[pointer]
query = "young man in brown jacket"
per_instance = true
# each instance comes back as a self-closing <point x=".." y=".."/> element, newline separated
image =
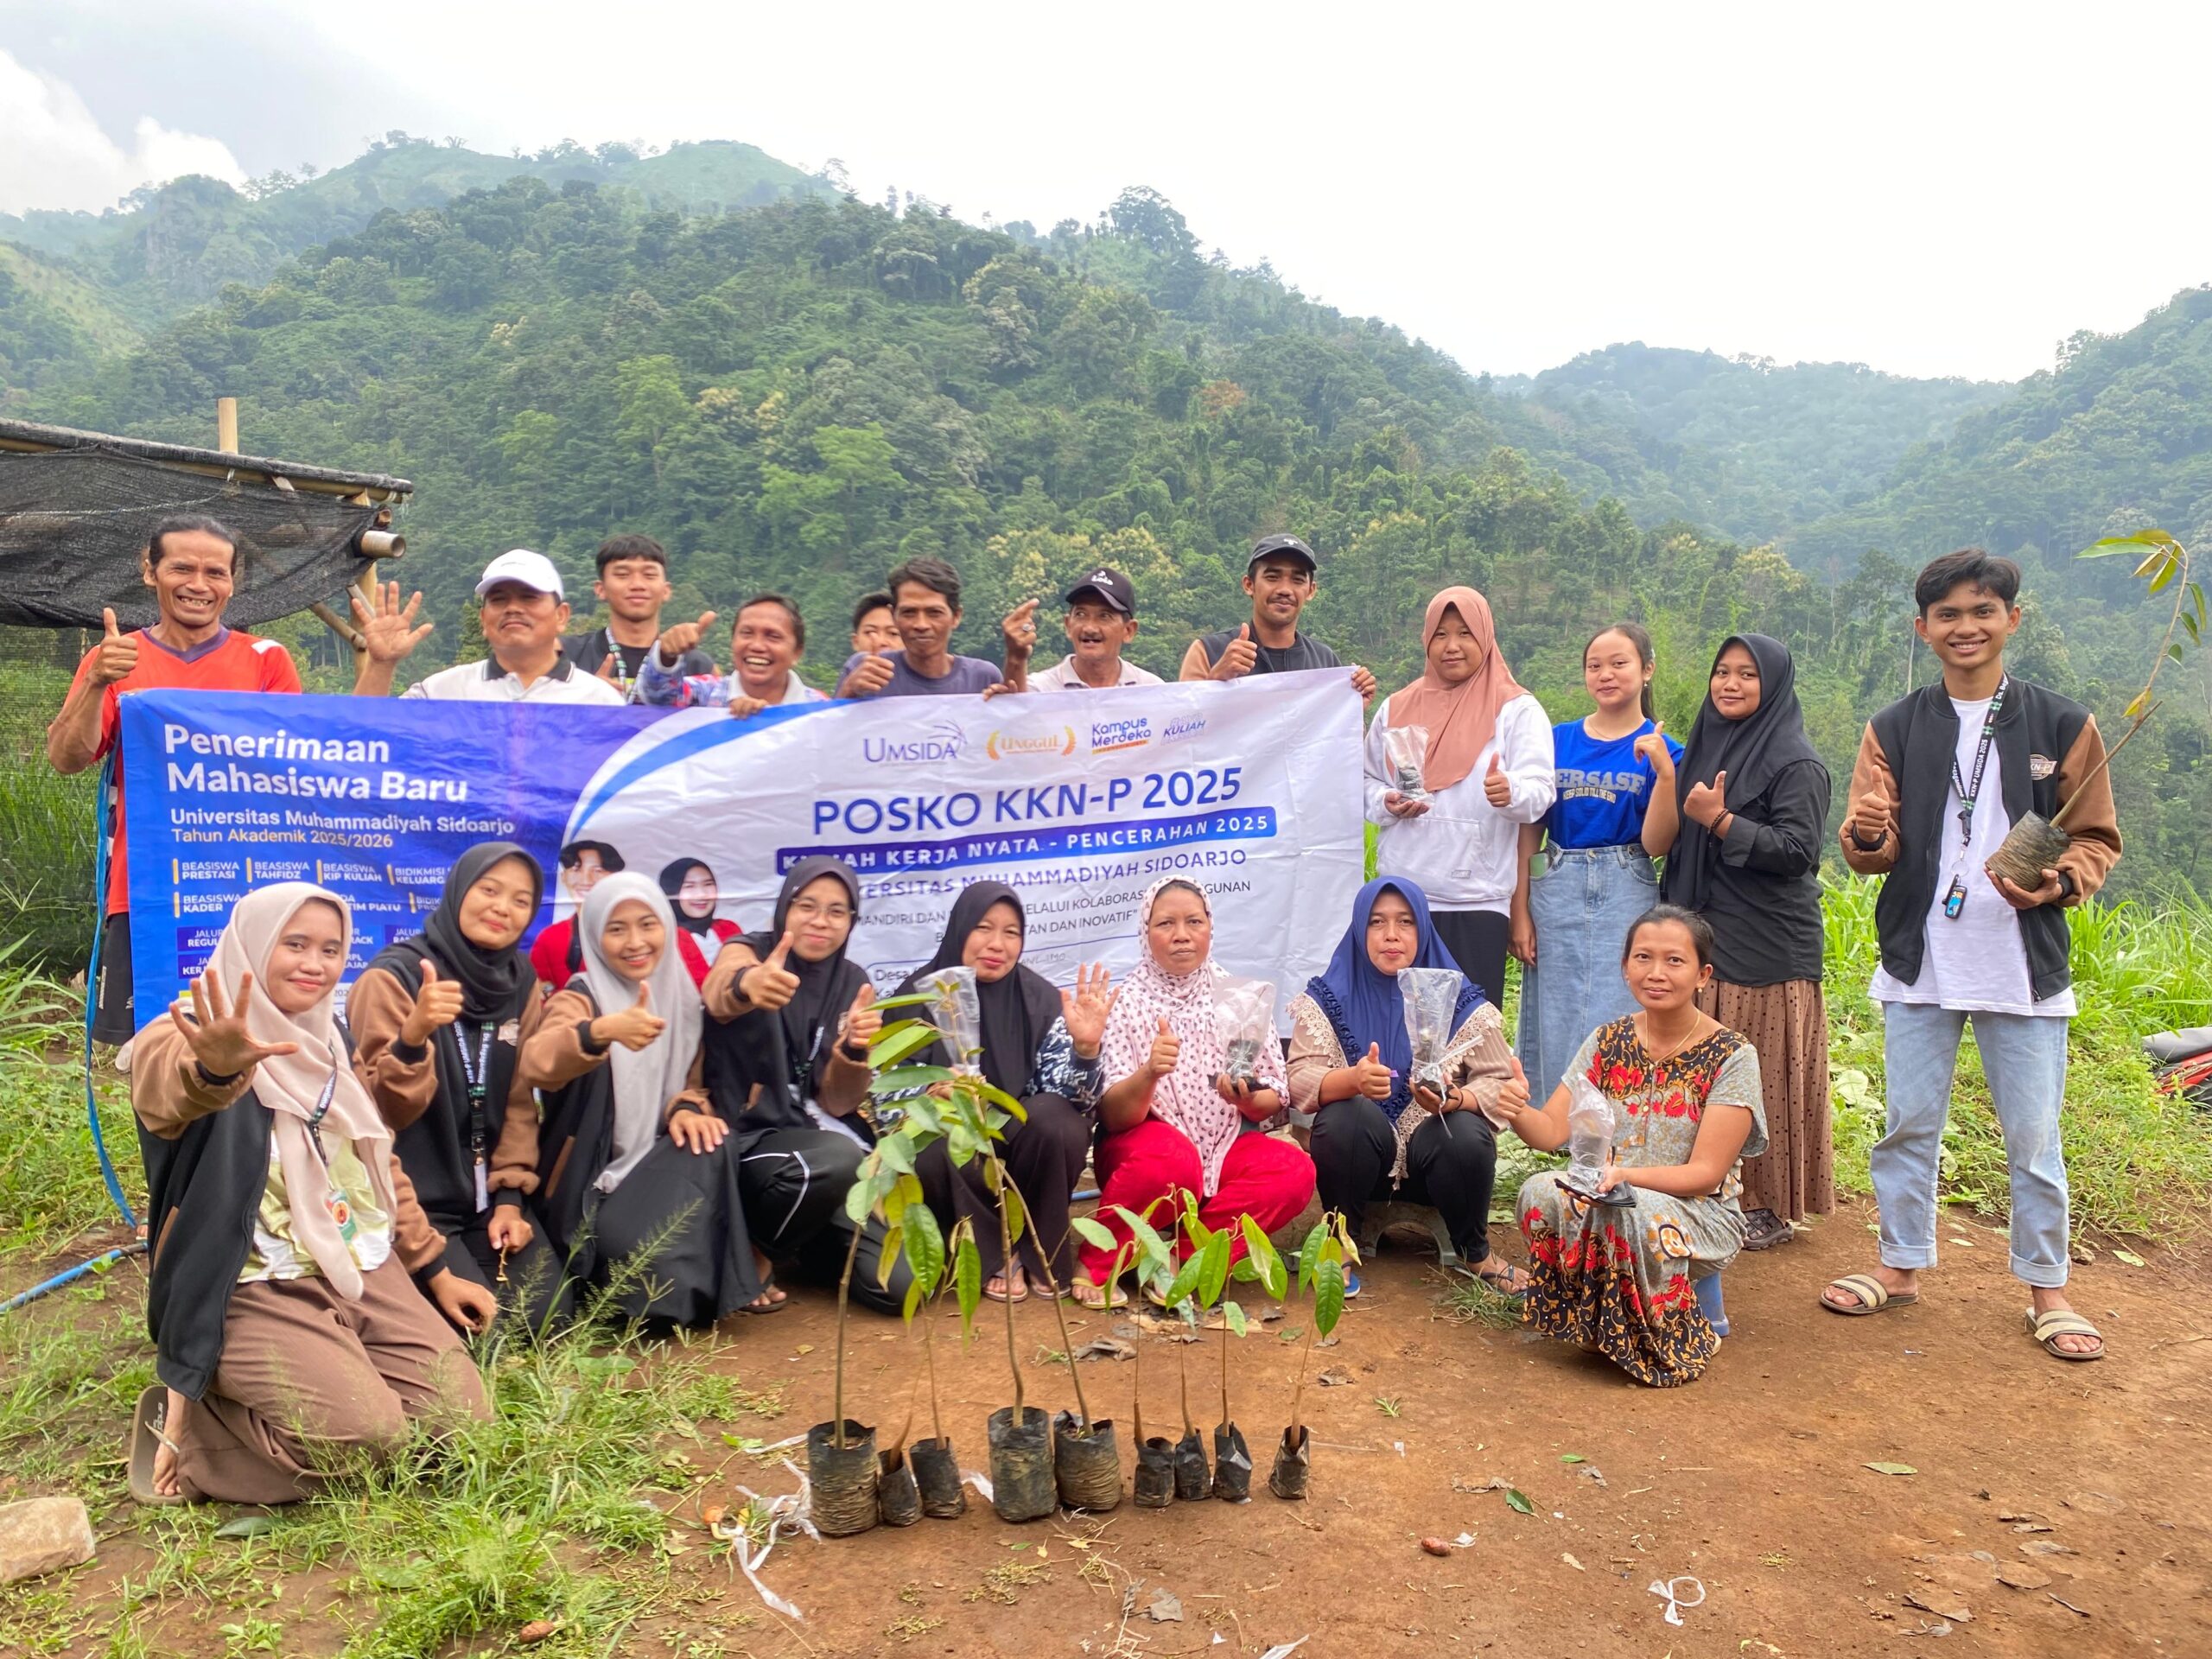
<point x="1943" y="775"/>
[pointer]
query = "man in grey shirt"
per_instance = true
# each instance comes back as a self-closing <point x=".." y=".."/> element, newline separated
<point x="925" y="605"/>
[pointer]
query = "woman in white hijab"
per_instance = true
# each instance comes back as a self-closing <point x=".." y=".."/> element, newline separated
<point x="642" y="1190"/>
<point x="293" y="1343"/>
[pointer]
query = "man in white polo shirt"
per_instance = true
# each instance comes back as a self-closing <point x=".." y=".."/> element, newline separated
<point x="524" y="610"/>
<point x="1102" y="620"/>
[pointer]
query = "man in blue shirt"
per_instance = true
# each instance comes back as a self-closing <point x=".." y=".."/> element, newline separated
<point x="925" y="606"/>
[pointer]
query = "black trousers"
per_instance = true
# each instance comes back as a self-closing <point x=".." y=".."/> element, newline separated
<point x="1450" y="1163"/>
<point x="1477" y="940"/>
<point x="1044" y="1155"/>
<point x="795" y="1182"/>
<point x="537" y="1289"/>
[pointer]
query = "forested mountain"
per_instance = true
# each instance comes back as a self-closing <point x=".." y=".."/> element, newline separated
<point x="794" y="396"/>
<point x="1749" y="446"/>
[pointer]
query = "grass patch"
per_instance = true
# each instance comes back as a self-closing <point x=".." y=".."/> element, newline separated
<point x="51" y="1191"/>
<point x="1465" y="1299"/>
<point x="47" y="827"/>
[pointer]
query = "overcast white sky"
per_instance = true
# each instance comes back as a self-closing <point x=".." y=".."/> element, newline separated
<point x="1933" y="189"/>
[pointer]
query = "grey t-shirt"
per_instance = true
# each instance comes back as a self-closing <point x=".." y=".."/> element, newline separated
<point x="968" y="676"/>
<point x="1303" y="652"/>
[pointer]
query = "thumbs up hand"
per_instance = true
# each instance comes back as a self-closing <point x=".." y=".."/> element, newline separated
<point x="1706" y="803"/>
<point x="1512" y="1097"/>
<point x="862" y="1021"/>
<point x="1371" y="1076"/>
<point x="1497" y="788"/>
<point x="437" y="1004"/>
<point x="770" y="984"/>
<point x="684" y="636"/>
<point x="636" y="1027"/>
<point x="116" y="655"/>
<point x="1651" y="749"/>
<point x="1239" y="658"/>
<point x="1167" y="1049"/>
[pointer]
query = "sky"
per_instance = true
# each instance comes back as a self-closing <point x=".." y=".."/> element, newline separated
<point x="1932" y="190"/>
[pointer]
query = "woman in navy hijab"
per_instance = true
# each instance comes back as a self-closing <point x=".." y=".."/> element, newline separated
<point x="1377" y="1136"/>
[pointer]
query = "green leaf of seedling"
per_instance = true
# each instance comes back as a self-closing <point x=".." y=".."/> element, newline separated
<point x="925" y="1245"/>
<point x="1261" y="1251"/>
<point x="1213" y="1268"/>
<point x="967" y="1283"/>
<point x="1004" y="1102"/>
<point x="1094" y="1234"/>
<point x="1343" y="1237"/>
<point x="1184" y="1281"/>
<point x="1309" y="1253"/>
<point x="2167" y="572"/>
<point x="1328" y="1295"/>
<point x="897" y="1156"/>
<point x="1147" y="1235"/>
<point x="1232" y="1315"/>
<point x="914" y="1294"/>
<point x="887" y="1252"/>
<point x="1518" y="1500"/>
<point x="911" y="1000"/>
<point x="1016" y="1217"/>
<point x="910" y="1038"/>
<point x="860" y="1202"/>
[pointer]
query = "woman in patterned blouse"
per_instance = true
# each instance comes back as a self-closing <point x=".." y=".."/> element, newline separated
<point x="1687" y="1112"/>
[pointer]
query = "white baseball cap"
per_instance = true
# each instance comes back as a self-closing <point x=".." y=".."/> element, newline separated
<point x="520" y="565"/>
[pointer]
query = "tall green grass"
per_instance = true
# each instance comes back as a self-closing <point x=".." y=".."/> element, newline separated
<point x="48" y="828"/>
<point x="50" y="1186"/>
<point x="2137" y="1161"/>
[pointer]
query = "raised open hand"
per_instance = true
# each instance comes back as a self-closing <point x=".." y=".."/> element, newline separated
<point x="769" y="984"/>
<point x="437" y="1003"/>
<point x="216" y="1029"/>
<point x="1084" y="1009"/>
<point x="116" y="655"/>
<point x="389" y="632"/>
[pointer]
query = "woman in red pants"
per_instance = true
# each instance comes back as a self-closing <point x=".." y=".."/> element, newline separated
<point x="1171" y="1121"/>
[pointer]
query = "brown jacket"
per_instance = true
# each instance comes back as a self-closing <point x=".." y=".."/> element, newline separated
<point x="561" y="1048"/>
<point x="840" y="1084"/>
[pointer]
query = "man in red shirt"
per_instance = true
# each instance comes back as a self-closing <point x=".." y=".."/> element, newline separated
<point x="191" y="565"/>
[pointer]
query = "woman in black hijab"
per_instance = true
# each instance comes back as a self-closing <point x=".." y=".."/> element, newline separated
<point x="1754" y="799"/>
<point x="1039" y="1045"/>
<point x="786" y="1063"/>
<point x="693" y="894"/>
<point x="438" y="1019"/>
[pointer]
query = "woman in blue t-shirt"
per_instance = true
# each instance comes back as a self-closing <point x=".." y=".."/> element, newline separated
<point x="1615" y="805"/>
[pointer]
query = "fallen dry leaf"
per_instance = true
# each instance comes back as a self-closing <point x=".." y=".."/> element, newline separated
<point x="1572" y="1562"/>
<point x="1335" y="1378"/>
<point x="537" y="1630"/>
<point x="1163" y="1608"/>
<point x="1436" y="1546"/>
<point x="1107" y="1348"/>
<point x="803" y="1348"/>
<point x="2128" y="1257"/>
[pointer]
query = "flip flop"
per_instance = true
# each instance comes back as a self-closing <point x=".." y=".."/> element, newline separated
<point x="1114" y="1297"/>
<point x="1500" y="1281"/>
<point x="2048" y="1328"/>
<point x="146" y="1435"/>
<point x="770" y="1288"/>
<point x="1874" y="1296"/>
<point x="1017" y="1298"/>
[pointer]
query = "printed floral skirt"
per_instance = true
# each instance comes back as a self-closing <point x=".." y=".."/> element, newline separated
<point x="1618" y="1281"/>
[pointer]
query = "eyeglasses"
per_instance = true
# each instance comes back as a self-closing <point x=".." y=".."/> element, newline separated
<point x="815" y="908"/>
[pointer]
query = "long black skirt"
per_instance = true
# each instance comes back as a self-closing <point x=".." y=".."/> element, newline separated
<point x="670" y="1241"/>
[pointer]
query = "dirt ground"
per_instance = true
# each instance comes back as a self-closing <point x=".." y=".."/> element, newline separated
<point x="2083" y="1486"/>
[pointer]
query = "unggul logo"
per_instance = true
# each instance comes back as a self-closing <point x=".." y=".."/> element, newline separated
<point x="942" y="742"/>
<point x="1053" y="739"/>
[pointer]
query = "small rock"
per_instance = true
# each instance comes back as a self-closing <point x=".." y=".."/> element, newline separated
<point x="1436" y="1546"/>
<point x="2096" y="1504"/>
<point x="2022" y="1576"/>
<point x="43" y="1535"/>
<point x="2043" y="1547"/>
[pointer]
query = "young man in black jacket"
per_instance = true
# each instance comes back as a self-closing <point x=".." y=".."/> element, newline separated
<point x="1942" y="774"/>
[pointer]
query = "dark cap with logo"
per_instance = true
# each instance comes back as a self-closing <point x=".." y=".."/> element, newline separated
<point x="1281" y="547"/>
<point x="1109" y="585"/>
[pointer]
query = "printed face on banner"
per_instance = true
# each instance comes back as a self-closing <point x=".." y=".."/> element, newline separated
<point x="1251" y="789"/>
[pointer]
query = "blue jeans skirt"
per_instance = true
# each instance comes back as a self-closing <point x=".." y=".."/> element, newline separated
<point x="1583" y="905"/>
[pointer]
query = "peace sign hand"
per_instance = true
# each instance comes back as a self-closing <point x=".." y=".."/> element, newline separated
<point x="1084" y="1009"/>
<point x="216" y="1031"/>
<point x="389" y="632"/>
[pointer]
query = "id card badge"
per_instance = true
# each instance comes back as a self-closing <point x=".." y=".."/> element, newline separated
<point x="341" y="1214"/>
<point x="483" y="1195"/>
<point x="1956" y="899"/>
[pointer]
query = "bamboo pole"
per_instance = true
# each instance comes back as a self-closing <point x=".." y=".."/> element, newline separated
<point x="227" y="425"/>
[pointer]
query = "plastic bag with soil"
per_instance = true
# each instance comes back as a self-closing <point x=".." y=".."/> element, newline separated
<point x="1193" y="1478"/>
<point x="1232" y="1465"/>
<point x="1293" y="1464"/>
<point x="1086" y="1467"/>
<point x="843" y="1482"/>
<point x="898" y="1499"/>
<point x="1022" y="1487"/>
<point x="937" y="1472"/>
<point x="1155" y="1478"/>
<point x="2031" y="846"/>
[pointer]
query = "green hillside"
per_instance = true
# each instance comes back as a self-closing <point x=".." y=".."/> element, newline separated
<point x="1749" y="446"/>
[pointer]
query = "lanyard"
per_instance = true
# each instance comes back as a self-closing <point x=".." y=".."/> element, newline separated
<point x="334" y="1201"/>
<point x="1969" y="789"/>
<point x="623" y="678"/>
<point x="476" y="1076"/>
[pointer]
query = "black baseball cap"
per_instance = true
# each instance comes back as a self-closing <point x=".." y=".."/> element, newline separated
<point x="1111" y="586"/>
<point x="1277" y="547"/>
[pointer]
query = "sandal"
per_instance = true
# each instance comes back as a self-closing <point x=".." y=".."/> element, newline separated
<point x="1018" y="1295"/>
<point x="772" y="1299"/>
<point x="1501" y="1280"/>
<point x="146" y="1434"/>
<point x="1095" y="1297"/>
<point x="2048" y="1328"/>
<point x="1765" y="1231"/>
<point x="1874" y="1296"/>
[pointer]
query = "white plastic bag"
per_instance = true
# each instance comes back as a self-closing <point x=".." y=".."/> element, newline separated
<point x="955" y="1008"/>
<point x="1405" y="749"/>
<point x="1244" y="1011"/>
<point x="1432" y="997"/>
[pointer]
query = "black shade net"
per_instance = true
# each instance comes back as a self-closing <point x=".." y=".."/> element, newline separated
<point x="73" y="524"/>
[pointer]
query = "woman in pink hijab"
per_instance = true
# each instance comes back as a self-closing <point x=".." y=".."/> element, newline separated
<point x="1171" y="1121"/>
<point x="1456" y="763"/>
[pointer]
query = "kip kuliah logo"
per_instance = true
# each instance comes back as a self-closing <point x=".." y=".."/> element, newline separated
<point x="1044" y="739"/>
<point x="938" y="743"/>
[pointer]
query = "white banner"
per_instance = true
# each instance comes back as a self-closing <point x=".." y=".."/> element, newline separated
<point x="1079" y="800"/>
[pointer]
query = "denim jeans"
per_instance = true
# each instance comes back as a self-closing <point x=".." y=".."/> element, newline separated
<point x="2023" y="1057"/>
<point x="1583" y="905"/>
